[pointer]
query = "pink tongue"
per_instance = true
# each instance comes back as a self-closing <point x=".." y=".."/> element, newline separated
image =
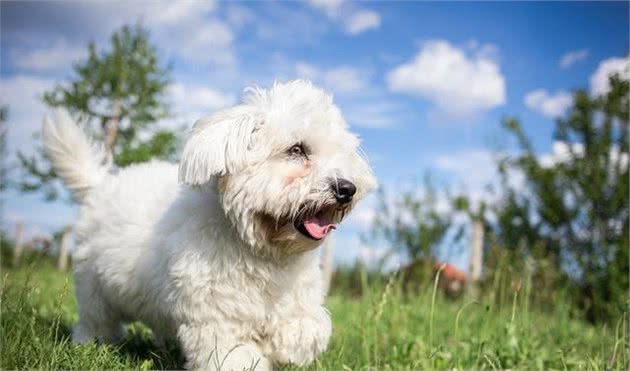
<point x="318" y="228"/>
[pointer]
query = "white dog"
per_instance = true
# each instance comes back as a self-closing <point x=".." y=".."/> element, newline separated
<point x="225" y="262"/>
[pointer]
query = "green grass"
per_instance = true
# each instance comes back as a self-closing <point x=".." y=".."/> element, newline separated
<point x="382" y="329"/>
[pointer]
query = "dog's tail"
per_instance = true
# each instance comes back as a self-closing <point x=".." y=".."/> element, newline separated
<point x="81" y="163"/>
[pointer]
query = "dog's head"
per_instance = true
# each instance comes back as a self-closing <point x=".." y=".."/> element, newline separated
<point x="286" y="167"/>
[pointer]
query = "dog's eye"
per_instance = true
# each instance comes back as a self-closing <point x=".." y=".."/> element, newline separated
<point x="297" y="151"/>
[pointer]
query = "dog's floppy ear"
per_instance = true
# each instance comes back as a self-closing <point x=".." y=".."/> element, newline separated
<point x="218" y="145"/>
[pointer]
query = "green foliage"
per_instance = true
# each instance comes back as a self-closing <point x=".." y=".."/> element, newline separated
<point x="576" y="208"/>
<point x="162" y="142"/>
<point x="380" y="329"/>
<point x="6" y="249"/>
<point x="119" y="95"/>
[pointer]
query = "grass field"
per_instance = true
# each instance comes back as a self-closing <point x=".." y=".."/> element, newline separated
<point x="380" y="330"/>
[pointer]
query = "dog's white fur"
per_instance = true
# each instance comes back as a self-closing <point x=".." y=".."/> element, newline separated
<point x="216" y="261"/>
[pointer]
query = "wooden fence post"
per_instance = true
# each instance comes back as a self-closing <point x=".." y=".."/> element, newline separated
<point x="476" y="252"/>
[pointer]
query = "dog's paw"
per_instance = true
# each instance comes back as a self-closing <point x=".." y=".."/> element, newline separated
<point x="300" y="340"/>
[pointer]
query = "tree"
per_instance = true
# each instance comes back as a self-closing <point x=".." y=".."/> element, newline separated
<point x="411" y="223"/>
<point x="576" y="207"/>
<point x="119" y="95"/>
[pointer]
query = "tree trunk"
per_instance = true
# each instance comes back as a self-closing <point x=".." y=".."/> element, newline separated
<point x="19" y="246"/>
<point x="64" y="250"/>
<point x="476" y="251"/>
<point x="328" y="263"/>
<point x="111" y="129"/>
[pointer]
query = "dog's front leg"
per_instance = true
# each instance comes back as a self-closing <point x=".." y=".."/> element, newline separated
<point x="300" y="338"/>
<point x="210" y="347"/>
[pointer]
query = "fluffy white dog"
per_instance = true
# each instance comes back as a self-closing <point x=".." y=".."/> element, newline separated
<point x="226" y="260"/>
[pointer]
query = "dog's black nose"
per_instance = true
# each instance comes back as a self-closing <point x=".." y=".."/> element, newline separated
<point x="343" y="190"/>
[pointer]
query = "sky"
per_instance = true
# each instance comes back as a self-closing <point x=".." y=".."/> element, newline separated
<point x="424" y="84"/>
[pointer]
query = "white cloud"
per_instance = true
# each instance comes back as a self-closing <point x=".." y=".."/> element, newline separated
<point x="487" y="51"/>
<point x="374" y="115"/>
<point x="345" y="79"/>
<point x="209" y="41"/>
<point x="363" y="103"/>
<point x="361" y="21"/>
<point x="238" y="16"/>
<point x="307" y="71"/>
<point x="114" y="14"/>
<point x="456" y="82"/>
<point x="341" y="79"/>
<point x="572" y="57"/>
<point x="173" y="12"/>
<point x="607" y="67"/>
<point x="187" y="28"/>
<point x="355" y="20"/>
<point x="23" y="94"/>
<point x="195" y="101"/>
<point x="199" y="97"/>
<point x="57" y="56"/>
<point x="330" y="7"/>
<point x="549" y="105"/>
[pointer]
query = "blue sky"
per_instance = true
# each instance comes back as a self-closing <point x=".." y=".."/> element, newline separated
<point x="425" y="84"/>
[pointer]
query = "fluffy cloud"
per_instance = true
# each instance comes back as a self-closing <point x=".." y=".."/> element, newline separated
<point x="457" y="82"/>
<point x="599" y="79"/>
<point x="361" y="21"/>
<point x="547" y="104"/>
<point x="378" y="113"/>
<point x="174" y="12"/>
<point x="57" y="56"/>
<point x="341" y="79"/>
<point x="189" y="29"/>
<point x="363" y="103"/>
<point x="191" y="102"/>
<point x="572" y="57"/>
<point x="354" y="20"/>
<point x="330" y="7"/>
<point x="209" y="42"/>
<point x="22" y="94"/>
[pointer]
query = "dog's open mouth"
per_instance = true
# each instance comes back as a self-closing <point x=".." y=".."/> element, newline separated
<point x="317" y="226"/>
